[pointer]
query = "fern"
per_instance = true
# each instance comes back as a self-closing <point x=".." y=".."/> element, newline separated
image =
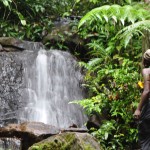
<point x="135" y="29"/>
<point x="97" y="49"/>
<point x="117" y="13"/>
<point x="92" y="64"/>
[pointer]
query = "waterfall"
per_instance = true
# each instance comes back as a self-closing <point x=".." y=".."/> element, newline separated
<point x="10" y="144"/>
<point x="52" y="81"/>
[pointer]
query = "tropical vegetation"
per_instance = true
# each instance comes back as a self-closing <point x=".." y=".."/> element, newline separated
<point x="113" y="71"/>
<point x="115" y="33"/>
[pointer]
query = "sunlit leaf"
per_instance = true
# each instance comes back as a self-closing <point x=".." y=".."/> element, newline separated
<point x="23" y="22"/>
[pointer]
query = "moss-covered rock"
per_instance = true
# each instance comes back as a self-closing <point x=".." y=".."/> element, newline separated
<point x="68" y="141"/>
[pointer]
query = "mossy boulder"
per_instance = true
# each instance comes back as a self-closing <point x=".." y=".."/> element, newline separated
<point x="68" y="141"/>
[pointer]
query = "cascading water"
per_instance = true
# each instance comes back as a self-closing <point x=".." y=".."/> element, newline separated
<point x="52" y="81"/>
<point x="42" y="87"/>
<point x="10" y="144"/>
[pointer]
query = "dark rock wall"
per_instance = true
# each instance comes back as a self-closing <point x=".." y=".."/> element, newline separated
<point x="15" y="55"/>
<point x="11" y="81"/>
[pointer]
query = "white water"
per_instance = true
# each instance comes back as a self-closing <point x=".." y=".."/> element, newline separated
<point x="52" y="82"/>
<point x="10" y="144"/>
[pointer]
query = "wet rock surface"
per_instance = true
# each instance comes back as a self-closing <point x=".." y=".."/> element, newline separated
<point x="14" y="55"/>
<point x="29" y="132"/>
<point x="10" y="86"/>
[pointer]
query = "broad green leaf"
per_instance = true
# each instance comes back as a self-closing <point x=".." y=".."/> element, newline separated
<point x="77" y="1"/>
<point x="114" y="18"/>
<point x="106" y="135"/>
<point x="128" y="1"/>
<point x="23" y="22"/>
<point x="106" y="18"/>
<point x="6" y="2"/>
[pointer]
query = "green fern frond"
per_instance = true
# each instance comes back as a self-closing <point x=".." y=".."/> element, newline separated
<point x="83" y="64"/>
<point x="95" y="61"/>
<point x="98" y="49"/>
<point x="128" y="13"/>
<point x="92" y="64"/>
<point x="93" y="13"/>
<point x="115" y="12"/>
<point x="135" y="29"/>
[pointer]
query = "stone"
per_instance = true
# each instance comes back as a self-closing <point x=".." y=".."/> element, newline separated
<point x="10" y="41"/>
<point x="82" y="130"/>
<point x="11" y="83"/>
<point x="68" y="141"/>
<point x="29" y="132"/>
<point x="1" y="48"/>
<point x="11" y="44"/>
<point x="94" y="121"/>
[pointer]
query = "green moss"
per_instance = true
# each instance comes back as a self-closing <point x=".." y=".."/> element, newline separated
<point x="35" y="147"/>
<point x="60" y="143"/>
<point x="67" y="141"/>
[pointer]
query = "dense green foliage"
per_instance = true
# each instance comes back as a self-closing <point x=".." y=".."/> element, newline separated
<point x="115" y="92"/>
<point x="21" y="19"/>
<point x="113" y="72"/>
<point x="27" y="19"/>
<point x="113" y="32"/>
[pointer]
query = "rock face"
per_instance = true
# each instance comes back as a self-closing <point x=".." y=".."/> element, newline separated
<point x="24" y="91"/>
<point x="13" y="54"/>
<point x="10" y="44"/>
<point x="10" y="84"/>
<point x="29" y="132"/>
<point x="68" y="141"/>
